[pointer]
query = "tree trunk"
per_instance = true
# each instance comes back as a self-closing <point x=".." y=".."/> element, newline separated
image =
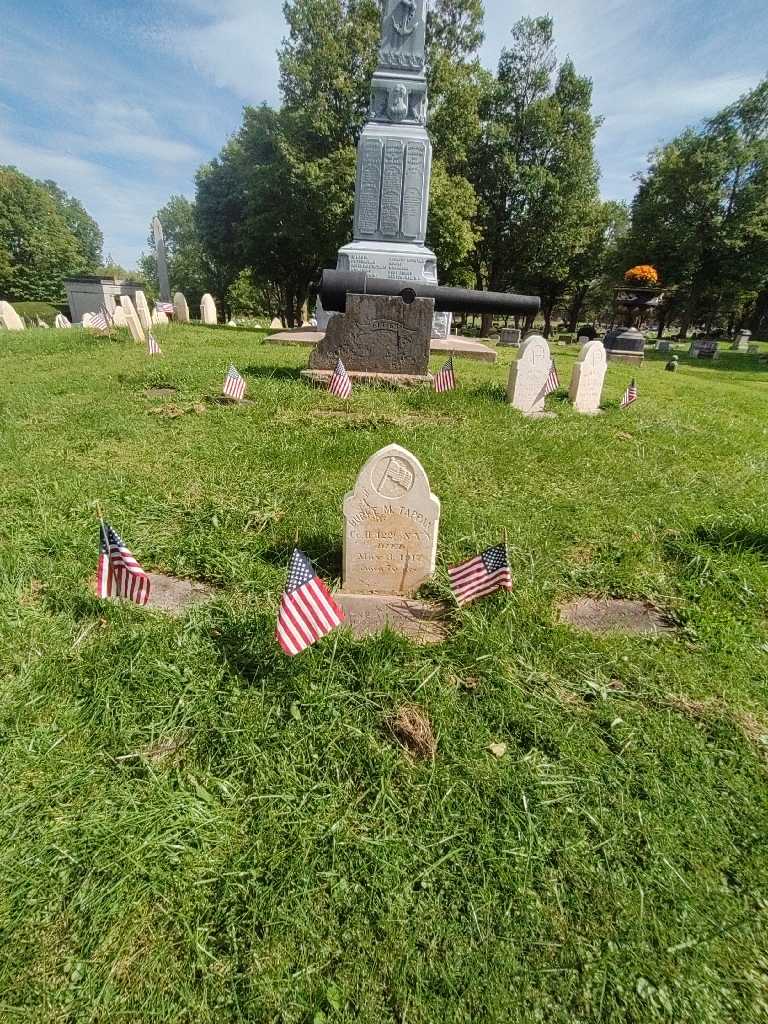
<point x="662" y="325"/>
<point x="577" y="305"/>
<point x="486" y="325"/>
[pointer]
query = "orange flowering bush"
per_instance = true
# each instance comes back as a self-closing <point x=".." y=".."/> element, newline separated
<point x="643" y="274"/>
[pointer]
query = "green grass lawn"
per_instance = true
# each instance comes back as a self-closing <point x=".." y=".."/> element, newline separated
<point x="195" y="828"/>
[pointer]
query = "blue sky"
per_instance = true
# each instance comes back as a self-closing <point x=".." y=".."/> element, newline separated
<point x="120" y="102"/>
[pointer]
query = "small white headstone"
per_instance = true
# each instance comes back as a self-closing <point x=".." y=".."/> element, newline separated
<point x="528" y="376"/>
<point x="587" y="379"/>
<point x="61" y="321"/>
<point x="9" y="318"/>
<point x="391" y="520"/>
<point x="181" y="308"/>
<point x="42" y="323"/>
<point x="86" y="321"/>
<point x="118" y="317"/>
<point x="276" y="325"/>
<point x="159" y="317"/>
<point x="142" y="309"/>
<point x="208" y="309"/>
<point x="132" y="319"/>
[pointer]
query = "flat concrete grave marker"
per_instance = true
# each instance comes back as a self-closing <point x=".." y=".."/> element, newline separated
<point x="528" y="376"/>
<point x="132" y="319"/>
<point x="208" y="312"/>
<point x="510" y="336"/>
<point x="181" y="309"/>
<point x="587" y="379"/>
<point x="142" y="309"/>
<point x="9" y="318"/>
<point x="391" y="521"/>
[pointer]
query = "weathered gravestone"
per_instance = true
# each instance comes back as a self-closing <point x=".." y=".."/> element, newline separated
<point x="9" y="318"/>
<point x="142" y="309"/>
<point x="587" y="379"/>
<point x="162" y="264"/>
<point x="61" y="321"/>
<point x="180" y="308"/>
<point x="391" y="521"/>
<point x="159" y="317"/>
<point x="664" y="345"/>
<point x="208" y="312"/>
<point x="378" y="335"/>
<point x="528" y="376"/>
<point x="741" y="342"/>
<point x="510" y="336"/>
<point x="132" y="319"/>
<point x="118" y="317"/>
<point x="704" y="348"/>
<point x="276" y="325"/>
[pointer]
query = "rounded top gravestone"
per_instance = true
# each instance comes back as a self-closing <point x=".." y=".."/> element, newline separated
<point x="142" y="310"/>
<point x="528" y="376"/>
<point x="208" y="312"/>
<point x="180" y="307"/>
<point x="587" y="380"/>
<point x="391" y="520"/>
<point x="132" y="318"/>
<point x="9" y="318"/>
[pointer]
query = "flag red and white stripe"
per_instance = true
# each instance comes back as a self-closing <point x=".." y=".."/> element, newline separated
<point x="154" y="348"/>
<point x="553" y="381"/>
<point x="481" y="575"/>
<point x="307" y="609"/>
<point x="101" y="321"/>
<point x="234" y="384"/>
<point x="630" y="395"/>
<point x="445" y="379"/>
<point x="119" y="575"/>
<point x="340" y="384"/>
<point x="165" y="307"/>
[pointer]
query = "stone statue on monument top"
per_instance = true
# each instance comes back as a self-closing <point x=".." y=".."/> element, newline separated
<point x="403" y="34"/>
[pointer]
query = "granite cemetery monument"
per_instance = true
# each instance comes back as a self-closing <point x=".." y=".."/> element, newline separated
<point x="162" y="263"/>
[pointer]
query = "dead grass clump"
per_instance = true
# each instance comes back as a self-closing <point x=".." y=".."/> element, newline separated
<point x="411" y="728"/>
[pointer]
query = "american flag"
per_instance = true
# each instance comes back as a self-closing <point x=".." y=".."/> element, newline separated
<point x="481" y="575"/>
<point x="154" y="348"/>
<point x="61" y="321"/>
<point x="630" y="395"/>
<point x="101" y="321"/>
<point x="340" y="384"/>
<point x="444" y="379"/>
<point x="118" y="573"/>
<point x="234" y="384"/>
<point x="307" y="610"/>
<point x="165" y="307"/>
<point x="553" y="381"/>
<point x="41" y="322"/>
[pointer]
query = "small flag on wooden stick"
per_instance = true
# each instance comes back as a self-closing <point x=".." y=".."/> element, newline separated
<point x="154" y="348"/>
<point x="234" y="384"/>
<point x="119" y="575"/>
<point x="481" y="575"/>
<point x="553" y="381"/>
<point x="307" y="609"/>
<point x="340" y="384"/>
<point x="165" y="307"/>
<point x="630" y="395"/>
<point x="445" y="379"/>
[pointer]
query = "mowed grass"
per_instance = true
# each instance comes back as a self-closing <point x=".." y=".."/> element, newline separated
<point x="195" y="828"/>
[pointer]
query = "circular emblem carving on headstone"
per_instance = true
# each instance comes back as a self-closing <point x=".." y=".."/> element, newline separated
<point x="392" y="477"/>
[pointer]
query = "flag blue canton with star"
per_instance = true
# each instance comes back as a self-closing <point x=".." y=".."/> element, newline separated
<point x="495" y="558"/>
<point x="300" y="571"/>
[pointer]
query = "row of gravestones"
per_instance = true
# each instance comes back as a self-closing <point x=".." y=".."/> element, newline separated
<point x="529" y="377"/>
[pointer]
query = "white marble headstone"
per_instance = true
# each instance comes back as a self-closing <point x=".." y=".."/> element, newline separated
<point x="159" y="317"/>
<point x="132" y="319"/>
<point x="9" y="318"/>
<point x="528" y="376"/>
<point x="391" y="520"/>
<point x="142" y="309"/>
<point x="587" y="379"/>
<point x="181" y="309"/>
<point x="118" y="317"/>
<point x="208" y="309"/>
<point x="276" y="325"/>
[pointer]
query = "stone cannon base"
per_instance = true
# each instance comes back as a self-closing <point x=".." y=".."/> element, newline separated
<point x="393" y="380"/>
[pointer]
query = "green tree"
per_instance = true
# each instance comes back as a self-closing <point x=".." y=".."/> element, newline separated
<point x="534" y="169"/>
<point x="81" y="224"/>
<point x="38" y="245"/>
<point x="188" y="269"/>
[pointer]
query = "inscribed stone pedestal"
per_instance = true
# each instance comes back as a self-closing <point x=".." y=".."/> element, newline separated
<point x="180" y="307"/>
<point x="391" y="521"/>
<point x="142" y="309"/>
<point x="528" y="376"/>
<point x="208" y="312"/>
<point x="378" y="334"/>
<point x="9" y="318"/>
<point x="132" y="319"/>
<point x="587" y="379"/>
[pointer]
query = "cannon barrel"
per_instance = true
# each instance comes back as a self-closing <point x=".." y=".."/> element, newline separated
<point x="335" y="285"/>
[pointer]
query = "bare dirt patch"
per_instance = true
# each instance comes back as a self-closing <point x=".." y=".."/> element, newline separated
<point x="412" y="729"/>
<point x="613" y="615"/>
<point x="163" y="392"/>
<point x="175" y="596"/>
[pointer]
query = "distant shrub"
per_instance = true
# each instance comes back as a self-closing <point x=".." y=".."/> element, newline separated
<point x="33" y="310"/>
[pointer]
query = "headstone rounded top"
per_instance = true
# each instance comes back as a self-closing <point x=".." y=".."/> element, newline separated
<point x="208" y="313"/>
<point x="180" y="308"/>
<point x="9" y="318"/>
<point x="593" y="352"/>
<point x="534" y="348"/>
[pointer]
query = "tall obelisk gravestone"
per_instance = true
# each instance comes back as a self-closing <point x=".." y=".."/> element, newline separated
<point x="162" y="265"/>
<point x="394" y="157"/>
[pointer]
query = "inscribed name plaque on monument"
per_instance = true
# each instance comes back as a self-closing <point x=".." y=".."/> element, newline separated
<point x="391" y="521"/>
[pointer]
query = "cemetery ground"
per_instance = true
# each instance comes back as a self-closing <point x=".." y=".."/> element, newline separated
<point x="195" y="827"/>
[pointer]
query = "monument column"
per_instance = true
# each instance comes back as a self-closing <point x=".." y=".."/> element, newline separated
<point x="394" y="157"/>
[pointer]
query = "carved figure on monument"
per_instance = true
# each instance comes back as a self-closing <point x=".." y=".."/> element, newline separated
<point x="397" y="104"/>
<point x="403" y="33"/>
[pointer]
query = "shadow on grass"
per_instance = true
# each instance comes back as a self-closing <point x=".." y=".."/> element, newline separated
<point x="274" y="372"/>
<point x="325" y="554"/>
<point x="491" y="394"/>
<point x="733" y="538"/>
